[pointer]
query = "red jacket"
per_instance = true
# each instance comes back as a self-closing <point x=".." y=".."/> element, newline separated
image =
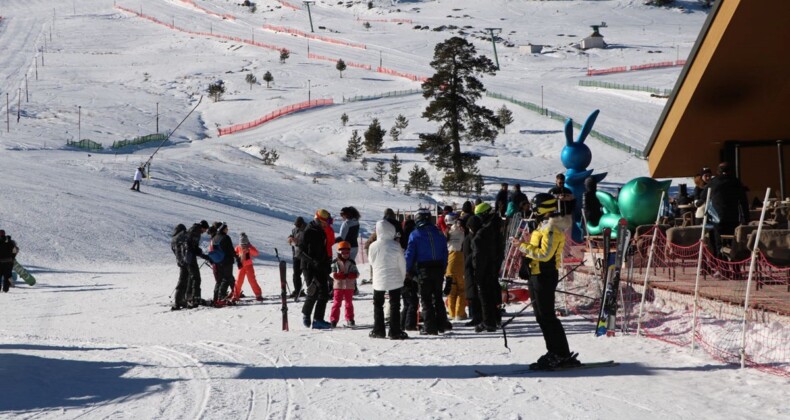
<point x="246" y="255"/>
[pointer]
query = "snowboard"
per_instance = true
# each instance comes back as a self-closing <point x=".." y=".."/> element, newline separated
<point x="24" y="274"/>
<point x="608" y="312"/>
<point x="523" y="371"/>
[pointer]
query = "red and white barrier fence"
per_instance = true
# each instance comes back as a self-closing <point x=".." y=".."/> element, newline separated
<point x="622" y="69"/>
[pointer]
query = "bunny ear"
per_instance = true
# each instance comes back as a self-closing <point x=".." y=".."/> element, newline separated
<point x="587" y="127"/>
<point x="569" y="132"/>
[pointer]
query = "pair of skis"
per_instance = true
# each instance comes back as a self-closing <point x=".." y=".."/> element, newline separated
<point x="283" y="287"/>
<point x="526" y="370"/>
<point x="608" y="313"/>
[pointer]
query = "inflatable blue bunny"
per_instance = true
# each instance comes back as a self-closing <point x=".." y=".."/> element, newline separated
<point x="576" y="156"/>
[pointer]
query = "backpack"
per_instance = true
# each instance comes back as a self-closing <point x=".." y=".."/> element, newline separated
<point x="215" y="254"/>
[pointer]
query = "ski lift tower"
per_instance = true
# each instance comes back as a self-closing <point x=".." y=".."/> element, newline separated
<point x="309" y="15"/>
<point x="493" y="41"/>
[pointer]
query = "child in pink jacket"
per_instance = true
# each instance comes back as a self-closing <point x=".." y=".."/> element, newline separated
<point x="245" y="252"/>
<point x="344" y="273"/>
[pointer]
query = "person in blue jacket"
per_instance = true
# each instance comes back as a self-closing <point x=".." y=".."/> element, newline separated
<point x="426" y="262"/>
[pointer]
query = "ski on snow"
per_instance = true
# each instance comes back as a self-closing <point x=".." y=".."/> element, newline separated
<point x="526" y="370"/>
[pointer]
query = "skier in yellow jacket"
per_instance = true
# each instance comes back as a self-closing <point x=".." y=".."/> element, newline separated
<point x="544" y="252"/>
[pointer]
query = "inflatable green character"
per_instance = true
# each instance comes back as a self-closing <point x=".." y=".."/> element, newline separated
<point x="638" y="203"/>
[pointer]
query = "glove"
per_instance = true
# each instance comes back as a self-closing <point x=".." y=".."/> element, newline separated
<point x="448" y="285"/>
<point x="338" y="276"/>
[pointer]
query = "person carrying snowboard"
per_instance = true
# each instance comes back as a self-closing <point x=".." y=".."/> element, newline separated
<point x="344" y="275"/>
<point x="8" y="251"/>
<point x="544" y="252"/>
<point x="245" y="252"/>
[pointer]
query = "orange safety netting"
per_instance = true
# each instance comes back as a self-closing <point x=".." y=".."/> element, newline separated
<point x="290" y="109"/>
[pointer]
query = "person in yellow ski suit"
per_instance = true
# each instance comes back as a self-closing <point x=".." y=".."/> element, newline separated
<point x="544" y="252"/>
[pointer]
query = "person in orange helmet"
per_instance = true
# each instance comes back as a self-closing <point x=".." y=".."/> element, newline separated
<point x="245" y="252"/>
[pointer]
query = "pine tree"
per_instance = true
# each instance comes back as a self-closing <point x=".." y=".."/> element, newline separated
<point x="344" y="119"/>
<point x="395" y="168"/>
<point x="251" y="79"/>
<point x="354" y="150"/>
<point x="216" y="90"/>
<point x="419" y="179"/>
<point x="401" y="122"/>
<point x="380" y="170"/>
<point x="340" y="66"/>
<point x="394" y="133"/>
<point x="268" y="78"/>
<point x="505" y="117"/>
<point x="454" y="90"/>
<point x="284" y="55"/>
<point x="374" y="137"/>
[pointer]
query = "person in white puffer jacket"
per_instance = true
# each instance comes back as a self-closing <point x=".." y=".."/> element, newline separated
<point x="389" y="273"/>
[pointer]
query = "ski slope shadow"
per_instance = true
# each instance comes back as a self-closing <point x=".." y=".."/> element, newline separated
<point x="423" y="372"/>
<point x="40" y="383"/>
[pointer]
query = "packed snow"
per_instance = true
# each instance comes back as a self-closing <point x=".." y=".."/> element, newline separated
<point x="95" y="337"/>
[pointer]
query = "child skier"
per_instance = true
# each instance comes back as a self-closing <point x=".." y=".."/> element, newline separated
<point x="245" y="252"/>
<point x="344" y="273"/>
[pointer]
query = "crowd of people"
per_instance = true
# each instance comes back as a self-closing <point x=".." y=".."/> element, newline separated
<point x="416" y="263"/>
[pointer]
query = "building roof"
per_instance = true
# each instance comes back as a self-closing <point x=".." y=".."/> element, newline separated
<point x="735" y="87"/>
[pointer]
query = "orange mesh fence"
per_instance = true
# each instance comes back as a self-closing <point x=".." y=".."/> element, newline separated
<point x="401" y="74"/>
<point x="385" y="20"/>
<point x="303" y="34"/>
<point x="335" y="60"/>
<point x="622" y="69"/>
<point x="209" y="34"/>
<point x="290" y="109"/>
<point x="203" y="9"/>
<point x="288" y="5"/>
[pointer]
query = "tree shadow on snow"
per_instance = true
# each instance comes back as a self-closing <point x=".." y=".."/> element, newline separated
<point x="32" y="383"/>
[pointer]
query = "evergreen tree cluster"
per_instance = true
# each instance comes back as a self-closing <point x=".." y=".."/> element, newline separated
<point x="269" y="157"/>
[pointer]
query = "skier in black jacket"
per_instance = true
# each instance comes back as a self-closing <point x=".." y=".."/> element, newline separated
<point x="487" y="256"/>
<point x="177" y="244"/>
<point x="192" y="251"/>
<point x="224" y="267"/>
<point x="473" y="224"/>
<point x="316" y="267"/>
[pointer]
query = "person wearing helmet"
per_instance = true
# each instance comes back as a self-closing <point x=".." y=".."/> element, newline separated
<point x="487" y="255"/>
<point x="426" y="261"/>
<point x="316" y="269"/>
<point x="344" y="275"/>
<point x="544" y="254"/>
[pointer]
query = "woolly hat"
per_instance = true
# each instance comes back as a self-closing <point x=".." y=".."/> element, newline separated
<point x="204" y="224"/>
<point x="222" y="226"/>
<point x="482" y="208"/>
<point x="322" y="214"/>
<point x="243" y="239"/>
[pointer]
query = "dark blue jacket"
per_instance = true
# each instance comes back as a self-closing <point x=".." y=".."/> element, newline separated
<point x="426" y="244"/>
